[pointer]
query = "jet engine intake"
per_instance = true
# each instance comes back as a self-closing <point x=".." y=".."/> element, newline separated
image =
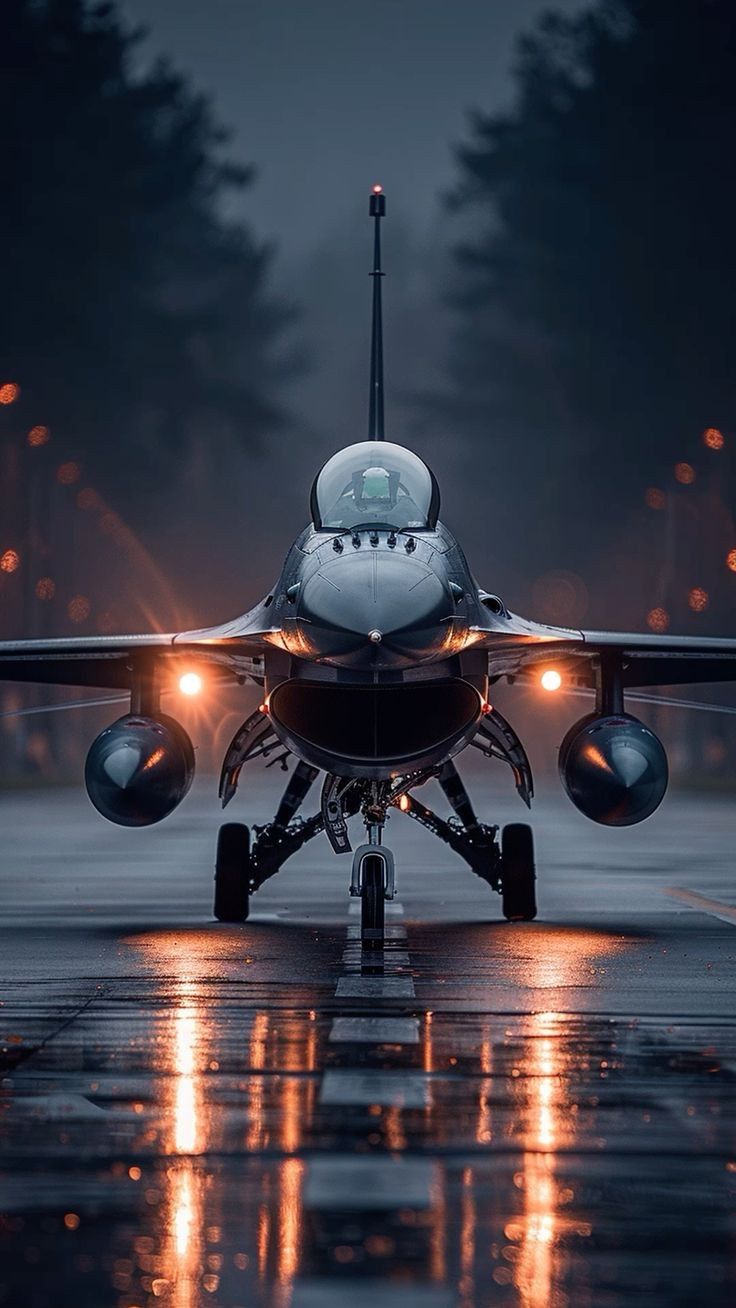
<point x="374" y="731"/>
<point x="614" y="769"/>
<point x="139" y="769"/>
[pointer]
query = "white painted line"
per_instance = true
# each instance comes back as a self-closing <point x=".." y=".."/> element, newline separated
<point x="713" y="907"/>
<point x="389" y="957"/>
<point x="360" y="1184"/>
<point x="376" y="1030"/>
<point x="389" y="1089"/>
<point x="393" y="931"/>
<point x="375" y="987"/>
<point x="336" y="1292"/>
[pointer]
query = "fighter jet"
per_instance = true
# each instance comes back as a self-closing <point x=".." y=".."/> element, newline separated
<point x="376" y="652"/>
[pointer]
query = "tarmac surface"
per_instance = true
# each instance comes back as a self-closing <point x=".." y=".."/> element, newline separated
<point x="536" y="1115"/>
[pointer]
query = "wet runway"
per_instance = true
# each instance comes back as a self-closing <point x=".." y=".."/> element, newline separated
<point x="537" y="1114"/>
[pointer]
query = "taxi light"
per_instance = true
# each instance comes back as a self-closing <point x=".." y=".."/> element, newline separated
<point x="404" y="803"/>
<point x="190" y="683"/>
<point x="551" y="679"/>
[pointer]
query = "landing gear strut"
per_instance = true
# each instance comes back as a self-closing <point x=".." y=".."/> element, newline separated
<point x="244" y="863"/>
<point x="508" y="867"/>
<point x="245" y="860"/>
<point x="374" y="879"/>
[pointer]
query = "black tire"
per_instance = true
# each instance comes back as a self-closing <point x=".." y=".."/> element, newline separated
<point x="517" y="873"/>
<point x="232" y="873"/>
<point x="372" y="903"/>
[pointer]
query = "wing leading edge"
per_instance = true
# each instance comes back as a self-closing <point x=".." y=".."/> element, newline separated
<point x="109" y="662"/>
<point x="516" y="645"/>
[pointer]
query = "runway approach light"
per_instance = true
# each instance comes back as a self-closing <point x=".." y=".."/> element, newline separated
<point x="190" y="683"/>
<point x="551" y="680"/>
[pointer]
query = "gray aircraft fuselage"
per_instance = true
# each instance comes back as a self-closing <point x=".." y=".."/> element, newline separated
<point x="374" y="673"/>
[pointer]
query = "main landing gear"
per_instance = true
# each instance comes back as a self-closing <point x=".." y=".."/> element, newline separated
<point x="246" y="859"/>
<point x="243" y="862"/>
<point x="507" y="866"/>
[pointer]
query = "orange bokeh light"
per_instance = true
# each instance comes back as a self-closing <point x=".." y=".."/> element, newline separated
<point x="658" y="619"/>
<point x="68" y="473"/>
<point x="9" y="561"/>
<point x="39" y="436"/>
<point x="655" y="498"/>
<point x="9" y="392"/>
<point x="698" y="599"/>
<point x="713" y="438"/>
<point x="685" y="473"/>
<point x="79" y="608"/>
<point x="45" y="588"/>
<point x="731" y="560"/>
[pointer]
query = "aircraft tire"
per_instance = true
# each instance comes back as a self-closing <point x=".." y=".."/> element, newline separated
<point x="232" y="873"/>
<point x="518" y="875"/>
<point x="372" y="903"/>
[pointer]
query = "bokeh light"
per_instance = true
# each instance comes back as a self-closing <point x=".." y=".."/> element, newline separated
<point x="658" y="619"/>
<point x="560" y="596"/>
<point x="731" y="560"/>
<point x="79" y="608"/>
<point x="9" y="392"/>
<point x="655" y="498"/>
<point x="45" y="588"/>
<point x="685" y="473"/>
<point x="9" y="561"/>
<point x="698" y="599"/>
<point x="68" y="473"/>
<point x="39" y="436"/>
<point x="713" y="438"/>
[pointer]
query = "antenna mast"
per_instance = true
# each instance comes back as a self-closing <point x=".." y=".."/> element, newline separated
<point x="375" y="411"/>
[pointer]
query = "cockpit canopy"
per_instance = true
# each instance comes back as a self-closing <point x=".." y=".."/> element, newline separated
<point x="375" y="484"/>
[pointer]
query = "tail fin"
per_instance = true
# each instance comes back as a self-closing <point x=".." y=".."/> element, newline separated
<point x="375" y="411"/>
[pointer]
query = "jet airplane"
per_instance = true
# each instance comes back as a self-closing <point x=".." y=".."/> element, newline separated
<point x="376" y="651"/>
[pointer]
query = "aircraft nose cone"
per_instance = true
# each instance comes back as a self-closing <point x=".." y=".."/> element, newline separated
<point x="375" y="606"/>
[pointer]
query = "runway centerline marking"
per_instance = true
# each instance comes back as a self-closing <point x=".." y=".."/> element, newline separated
<point x="369" y="1183"/>
<point x="713" y="907"/>
<point x="375" y="1030"/>
<point x="375" y="987"/>
<point x="389" y="1089"/>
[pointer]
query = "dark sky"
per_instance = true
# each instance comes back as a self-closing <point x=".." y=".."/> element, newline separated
<point x="328" y="96"/>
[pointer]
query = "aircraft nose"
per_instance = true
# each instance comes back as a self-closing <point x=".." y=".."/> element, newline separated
<point x="384" y="608"/>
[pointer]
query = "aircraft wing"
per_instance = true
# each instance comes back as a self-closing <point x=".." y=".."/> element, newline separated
<point x="516" y="646"/>
<point x="235" y="648"/>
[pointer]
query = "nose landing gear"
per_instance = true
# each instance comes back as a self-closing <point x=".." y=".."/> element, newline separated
<point x="374" y="880"/>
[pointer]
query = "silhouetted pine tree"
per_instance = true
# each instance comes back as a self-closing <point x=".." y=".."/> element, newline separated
<point x="133" y="312"/>
<point x="596" y="291"/>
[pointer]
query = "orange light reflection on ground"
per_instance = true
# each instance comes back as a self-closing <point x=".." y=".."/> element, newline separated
<point x="182" y="1251"/>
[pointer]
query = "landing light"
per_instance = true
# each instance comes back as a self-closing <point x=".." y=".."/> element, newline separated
<point x="404" y="803"/>
<point x="190" y="683"/>
<point x="551" y="680"/>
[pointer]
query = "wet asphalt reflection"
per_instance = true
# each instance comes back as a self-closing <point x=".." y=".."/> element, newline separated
<point x="485" y="1114"/>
